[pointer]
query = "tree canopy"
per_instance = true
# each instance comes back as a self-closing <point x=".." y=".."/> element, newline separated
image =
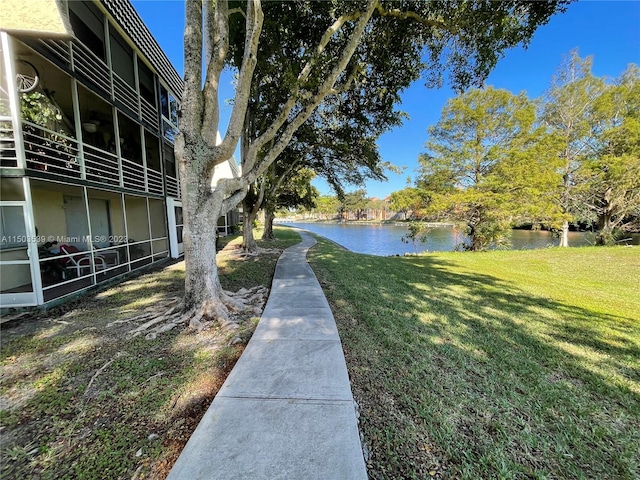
<point x="333" y="47"/>
<point x="483" y="166"/>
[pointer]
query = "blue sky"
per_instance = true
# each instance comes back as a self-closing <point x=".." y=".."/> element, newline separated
<point x="607" y="30"/>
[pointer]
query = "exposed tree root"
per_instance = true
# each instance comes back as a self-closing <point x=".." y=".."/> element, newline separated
<point x="87" y="391"/>
<point x="228" y="313"/>
<point x="242" y="254"/>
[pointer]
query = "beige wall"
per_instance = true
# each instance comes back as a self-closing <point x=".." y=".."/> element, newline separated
<point x="44" y="18"/>
<point x="48" y="212"/>
<point x="137" y="220"/>
<point x="117" y="219"/>
<point x="158" y="218"/>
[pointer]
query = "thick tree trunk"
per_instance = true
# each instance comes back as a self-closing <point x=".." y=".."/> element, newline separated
<point x="248" y="240"/>
<point x="564" y="235"/>
<point x="476" y="243"/>
<point x="267" y="234"/>
<point x="605" y="234"/>
<point x="203" y="292"/>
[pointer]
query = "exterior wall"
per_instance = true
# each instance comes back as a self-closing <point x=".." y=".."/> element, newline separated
<point x="48" y="212"/>
<point x="117" y="217"/>
<point x="159" y="233"/>
<point x="137" y="221"/>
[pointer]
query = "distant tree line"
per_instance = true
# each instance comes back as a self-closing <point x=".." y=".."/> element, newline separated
<point x="353" y="205"/>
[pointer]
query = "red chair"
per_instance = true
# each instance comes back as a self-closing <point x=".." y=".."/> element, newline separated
<point x="81" y="260"/>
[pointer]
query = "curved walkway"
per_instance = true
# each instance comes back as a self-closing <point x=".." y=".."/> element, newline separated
<point x="286" y="410"/>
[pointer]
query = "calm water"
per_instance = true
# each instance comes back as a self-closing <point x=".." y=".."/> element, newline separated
<point x="385" y="239"/>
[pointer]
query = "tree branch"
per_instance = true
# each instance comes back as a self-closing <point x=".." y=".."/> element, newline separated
<point x="315" y="100"/>
<point x="243" y="90"/>
<point x="192" y="98"/>
<point x="394" y="12"/>
<point x="237" y="10"/>
<point x="282" y="177"/>
<point x="233" y="200"/>
<point x="217" y="22"/>
<point x="326" y="37"/>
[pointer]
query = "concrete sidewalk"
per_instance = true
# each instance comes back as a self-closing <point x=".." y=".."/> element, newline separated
<point x="286" y="410"/>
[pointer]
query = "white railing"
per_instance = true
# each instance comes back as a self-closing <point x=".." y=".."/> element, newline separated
<point x="154" y="181"/>
<point x="50" y="151"/>
<point x="58" y="154"/>
<point x="173" y="187"/>
<point x="149" y="113"/>
<point x="65" y="273"/>
<point x="125" y="94"/>
<point x="58" y="49"/>
<point x="133" y="175"/>
<point x="91" y="66"/>
<point x="101" y="166"/>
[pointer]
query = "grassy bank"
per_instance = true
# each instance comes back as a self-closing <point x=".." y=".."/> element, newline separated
<point x="81" y="399"/>
<point x="507" y="364"/>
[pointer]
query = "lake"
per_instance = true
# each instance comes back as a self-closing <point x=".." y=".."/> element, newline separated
<point x="384" y="240"/>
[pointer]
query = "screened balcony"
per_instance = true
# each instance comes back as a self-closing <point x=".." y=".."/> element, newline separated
<point x="104" y="145"/>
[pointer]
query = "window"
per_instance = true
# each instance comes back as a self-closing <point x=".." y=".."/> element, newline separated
<point x="179" y="223"/>
<point x="130" y="144"/>
<point x="169" y="160"/>
<point x="97" y="120"/>
<point x="169" y="107"/>
<point x="88" y="25"/>
<point x="121" y="57"/>
<point x="145" y="79"/>
<point x="152" y="147"/>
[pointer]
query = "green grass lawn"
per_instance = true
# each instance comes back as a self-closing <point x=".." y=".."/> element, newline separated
<point x="81" y="399"/>
<point x="505" y="364"/>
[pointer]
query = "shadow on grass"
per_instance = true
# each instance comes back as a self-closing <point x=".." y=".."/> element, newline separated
<point x="460" y="374"/>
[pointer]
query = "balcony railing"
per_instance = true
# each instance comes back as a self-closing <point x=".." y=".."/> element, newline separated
<point x="101" y="166"/>
<point x="149" y="113"/>
<point x="57" y="154"/>
<point x="56" y="50"/>
<point x="54" y="153"/>
<point x="65" y="273"/>
<point x="173" y="187"/>
<point x="50" y="152"/>
<point x="91" y="67"/>
<point x="133" y="175"/>
<point x="126" y="95"/>
<point x="154" y="181"/>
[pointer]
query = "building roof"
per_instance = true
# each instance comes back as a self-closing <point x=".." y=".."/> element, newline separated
<point x="128" y="19"/>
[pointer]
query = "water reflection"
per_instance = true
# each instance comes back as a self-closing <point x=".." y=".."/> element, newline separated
<point x="385" y="240"/>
